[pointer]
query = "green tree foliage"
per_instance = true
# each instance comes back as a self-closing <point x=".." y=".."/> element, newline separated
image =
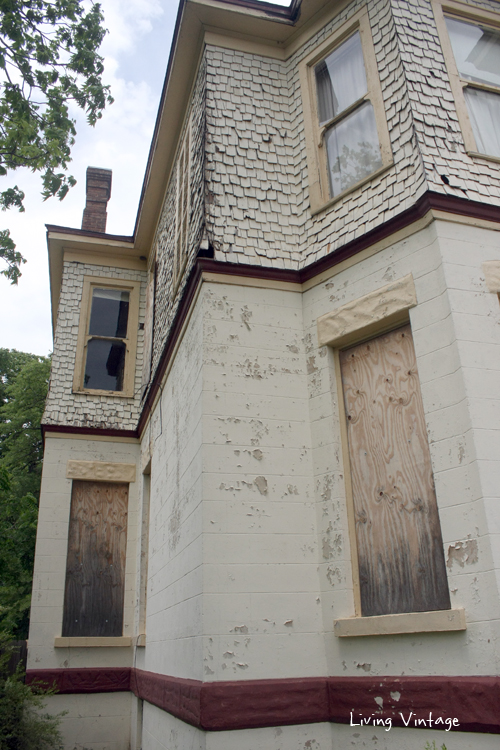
<point x="23" y="388"/>
<point x="48" y="58"/>
<point x="23" y="723"/>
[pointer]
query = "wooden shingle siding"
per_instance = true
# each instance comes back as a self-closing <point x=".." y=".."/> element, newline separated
<point x="95" y="569"/>
<point x="398" y="534"/>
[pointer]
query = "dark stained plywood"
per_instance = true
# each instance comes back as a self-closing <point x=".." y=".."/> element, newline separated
<point x="95" y="570"/>
<point x="398" y="534"/>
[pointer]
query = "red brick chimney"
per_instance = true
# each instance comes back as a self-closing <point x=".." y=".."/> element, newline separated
<point x="98" y="193"/>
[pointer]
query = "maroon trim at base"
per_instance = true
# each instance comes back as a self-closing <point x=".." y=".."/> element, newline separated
<point x="249" y="704"/>
<point x="178" y="696"/>
<point x="473" y="701"/>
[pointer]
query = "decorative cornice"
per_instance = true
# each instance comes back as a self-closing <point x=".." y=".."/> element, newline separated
<point x="474" y="702"/>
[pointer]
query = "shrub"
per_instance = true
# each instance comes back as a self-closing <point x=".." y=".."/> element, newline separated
<point x="23" y="724"/>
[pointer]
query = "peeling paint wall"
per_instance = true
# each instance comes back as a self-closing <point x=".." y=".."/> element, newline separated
<point x="175" y="578"/>
<point x="167" y="295"/>
<point x="455" y="330"/>
<point x="251" y="149"/>
<point x="51" y="550"/>
<point x="262" y="616"/>
<point x="256" y="155"/>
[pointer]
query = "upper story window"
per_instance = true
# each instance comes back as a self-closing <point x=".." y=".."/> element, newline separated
<point x="346" y="116"/>
<point x="346" y="130"/>
<point x="477" y="57"/>
<point x="107" y="338"/>
<point x="472" y="51"/>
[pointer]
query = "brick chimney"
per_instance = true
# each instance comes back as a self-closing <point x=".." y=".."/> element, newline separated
<point x="98" y="193"/>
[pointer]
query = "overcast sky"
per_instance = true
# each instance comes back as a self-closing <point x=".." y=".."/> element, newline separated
<point x="136" y="51"/>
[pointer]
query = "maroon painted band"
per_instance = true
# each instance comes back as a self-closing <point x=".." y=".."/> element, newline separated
<point x="247" y="704"/>
<point x="428" y="201"/>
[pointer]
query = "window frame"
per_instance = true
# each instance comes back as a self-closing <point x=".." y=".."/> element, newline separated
<point x="319" y="193"/>
<point x="352" y="323"/>
<point x="474" y="16"/>
<point x="183" y="188"/>
<point x="133" y="287"/>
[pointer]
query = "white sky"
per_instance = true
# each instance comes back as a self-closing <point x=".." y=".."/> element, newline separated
<point x="136" y="53"/>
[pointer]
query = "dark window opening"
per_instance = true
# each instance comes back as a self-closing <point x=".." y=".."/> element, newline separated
<point x="105" y="360"/>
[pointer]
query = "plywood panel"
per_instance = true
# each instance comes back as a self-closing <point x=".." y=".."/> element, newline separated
<point x="95" y="571"/>
<point x="400" y="550"/>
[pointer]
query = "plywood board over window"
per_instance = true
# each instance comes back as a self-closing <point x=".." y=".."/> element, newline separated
<point x="398" y="534"/>
<point x="95" y="569"/>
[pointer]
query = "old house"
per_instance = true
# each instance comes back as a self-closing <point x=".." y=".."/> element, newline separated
<point x="270" y="511"/>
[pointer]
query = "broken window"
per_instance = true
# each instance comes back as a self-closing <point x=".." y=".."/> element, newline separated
<point x="397" y="529"/>
<point x="476" y="49"/>
<point x="107" y="339"/>
<point x="106" y="344"/>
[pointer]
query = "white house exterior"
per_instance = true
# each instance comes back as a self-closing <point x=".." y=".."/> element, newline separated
<point x="270" y="509"/>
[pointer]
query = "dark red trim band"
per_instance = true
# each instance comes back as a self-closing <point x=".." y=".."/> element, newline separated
<point x="430" y="200"/>
<point x="221" y="706"/>
<point x="73" y="430"/>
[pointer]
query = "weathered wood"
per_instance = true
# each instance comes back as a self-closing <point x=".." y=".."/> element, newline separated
<point x="148" y="329"/>
<point x="400" y="549"/>
<point x="95" y="571"/>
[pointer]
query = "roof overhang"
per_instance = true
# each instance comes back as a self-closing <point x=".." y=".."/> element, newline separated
<point x="277" y="31"/>
<point x="273" y="30"/>
<point x="93" y="245"/>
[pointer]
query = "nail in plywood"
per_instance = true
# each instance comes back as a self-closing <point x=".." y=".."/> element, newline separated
<point x="398" y="534"/>
<point x="95" y="569"/>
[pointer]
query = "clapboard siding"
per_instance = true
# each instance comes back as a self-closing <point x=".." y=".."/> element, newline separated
<point x="95" y="571"/>
<point x="398" y="534"/>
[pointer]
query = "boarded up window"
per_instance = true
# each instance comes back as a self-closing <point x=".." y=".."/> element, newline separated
<point x="95" y="570"/>
<point x="400" y="550"/>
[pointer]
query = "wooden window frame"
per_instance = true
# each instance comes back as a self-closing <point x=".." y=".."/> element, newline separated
<point x="471" y="15"/>
<point x="319" y="193"/>
<point x="182" y="206"/>
<point x="102" y="551"/>
<point x="89" y="284"/>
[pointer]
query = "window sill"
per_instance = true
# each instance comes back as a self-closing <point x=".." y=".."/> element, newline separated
<point x="486" y="157"/>
<point x="411" y="622"/>
<point x="318" y="204"/>
<point x="96" y="392"/>
<point x="123" y="641"/>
